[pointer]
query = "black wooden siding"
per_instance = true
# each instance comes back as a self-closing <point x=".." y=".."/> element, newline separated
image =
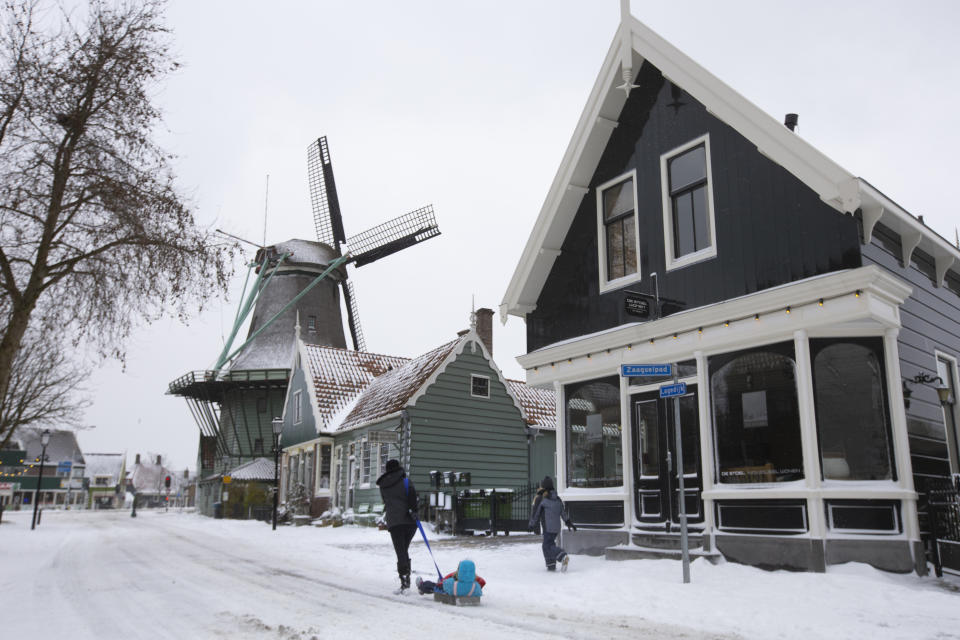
<point x="931" y="322"/>
<point x="771" y="228"/>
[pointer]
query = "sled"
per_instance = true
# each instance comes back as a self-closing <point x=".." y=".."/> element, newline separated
<point x="459" y="601"/>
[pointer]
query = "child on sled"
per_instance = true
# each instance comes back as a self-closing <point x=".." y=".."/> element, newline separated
<point x="462" y="582"/>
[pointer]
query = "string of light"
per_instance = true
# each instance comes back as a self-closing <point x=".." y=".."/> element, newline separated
<point x="675" y="335"/>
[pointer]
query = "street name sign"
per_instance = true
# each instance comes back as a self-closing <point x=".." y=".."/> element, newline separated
<point x="673" y="390"/>
<point x="640" y="370"/>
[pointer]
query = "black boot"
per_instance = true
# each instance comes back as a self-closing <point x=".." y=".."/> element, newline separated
<point x="405" y="581"/>
<point x="403" y="570"/>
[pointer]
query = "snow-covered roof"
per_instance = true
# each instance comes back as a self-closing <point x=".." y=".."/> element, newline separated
<point x="635" y="43"/>
<point x="338" y="377"/>
<point x="390" y="392"/>
<point x="257" y="469"/>
<point x="103" y="464"/>
<point x="539" y="404"/>
<point x="63" y="446"/>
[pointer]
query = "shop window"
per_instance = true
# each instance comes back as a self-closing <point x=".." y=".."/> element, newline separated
<point x="689" y="226"/>
<point x="617" y="230"/>
<point x="756" y="415"/>
<point x="853" y="425"/>
<point x="946" y="370"/>
<point x="593" y="430"/>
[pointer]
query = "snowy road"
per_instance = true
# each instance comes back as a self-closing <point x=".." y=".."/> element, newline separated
<point x="92" y="575"/>
<point x="106" y="575"/>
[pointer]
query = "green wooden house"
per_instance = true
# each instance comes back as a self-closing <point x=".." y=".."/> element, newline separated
<point x="450" y="409"/>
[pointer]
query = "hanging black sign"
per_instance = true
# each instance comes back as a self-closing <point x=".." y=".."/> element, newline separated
<point x="636" y="305"/>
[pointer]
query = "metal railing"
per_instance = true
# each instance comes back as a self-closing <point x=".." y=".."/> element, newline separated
<point x="940" y="499"/>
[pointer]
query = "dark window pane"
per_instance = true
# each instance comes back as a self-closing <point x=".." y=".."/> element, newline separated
<point x="618" y="199"/>
<point x="690" y="432"/>
<point x="593" y="434"/>
<point x="682" y="225"/>
<point x="851" y="416"/>
<point x="756" y="416"/>
<point x="687" y="168"/>
<point x="701" y="224"/>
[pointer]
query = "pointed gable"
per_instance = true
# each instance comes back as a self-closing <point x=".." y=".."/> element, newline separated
<point x="634" y="44"/>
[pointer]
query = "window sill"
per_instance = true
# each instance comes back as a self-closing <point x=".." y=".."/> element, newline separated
<point x="619" y="283"/>
<point x="691" y="258"/>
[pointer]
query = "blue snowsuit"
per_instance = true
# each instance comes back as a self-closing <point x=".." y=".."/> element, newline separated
<point x="464" y="582"/>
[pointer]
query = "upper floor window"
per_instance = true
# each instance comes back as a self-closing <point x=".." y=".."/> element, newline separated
<point x="297" y="408"/>
<point x="688" y="222"/>
<point x="479" y="386"/>
<point x="617" y="231"/>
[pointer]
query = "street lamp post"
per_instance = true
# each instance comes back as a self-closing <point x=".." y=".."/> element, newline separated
<point x="277" y="428"/>
<point x="44" y="441"/>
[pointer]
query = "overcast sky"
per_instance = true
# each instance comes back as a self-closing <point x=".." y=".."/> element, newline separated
<point x="470" y="106"/>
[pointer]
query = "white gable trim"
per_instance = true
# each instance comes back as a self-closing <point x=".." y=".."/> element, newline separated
<point x="471" y="337"/>
<point x="835" y="185"/>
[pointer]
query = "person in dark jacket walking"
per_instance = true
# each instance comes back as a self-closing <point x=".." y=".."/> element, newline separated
<point x="549" y="512"/>
<point x="400" y="511"/>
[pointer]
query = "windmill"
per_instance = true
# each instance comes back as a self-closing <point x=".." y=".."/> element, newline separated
<point x="234" y="402"/>
<point x="369" y="246"/>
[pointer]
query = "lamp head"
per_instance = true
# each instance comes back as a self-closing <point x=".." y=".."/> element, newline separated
<point x="45" y="437"/>
<point x="943" y="392"/>
<point x="277" y="426"/>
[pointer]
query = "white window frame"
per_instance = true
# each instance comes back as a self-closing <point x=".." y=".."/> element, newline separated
<point x="472" y="377"/>
<point x="617" y="283"/>
<point x="954" y="455"/>
<point x="673" y="262"/>
<point x="366" y="458"/>
<point x="297" y="407"/>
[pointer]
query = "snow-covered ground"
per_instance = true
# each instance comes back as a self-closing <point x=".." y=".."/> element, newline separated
<point x="85" y="575"/>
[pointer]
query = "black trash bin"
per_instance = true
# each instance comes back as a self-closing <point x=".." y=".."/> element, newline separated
<point x="217" y="509"/>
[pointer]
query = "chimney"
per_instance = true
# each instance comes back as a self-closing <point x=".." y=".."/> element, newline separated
<point x="790" y="121"/>
<point x="485" y="328"/>
<point x="138" y="459"/>
<point x="158" y="461"/>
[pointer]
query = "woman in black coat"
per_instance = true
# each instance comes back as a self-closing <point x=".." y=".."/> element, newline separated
<point x="400" y="511"/>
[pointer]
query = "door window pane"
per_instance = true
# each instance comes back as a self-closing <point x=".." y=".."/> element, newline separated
<point x="593" y="434"/>
<point x="852" y="422"/>
<point x="648" y="423"/>
<point x="756" y="415"/>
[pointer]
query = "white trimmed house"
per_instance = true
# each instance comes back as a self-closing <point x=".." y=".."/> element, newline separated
<point x="811" y="317"/>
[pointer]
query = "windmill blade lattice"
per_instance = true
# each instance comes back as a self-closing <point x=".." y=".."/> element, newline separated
<point x="353" y="315"/>
<point x="393" y="235"/>
<point x="327" y="218"/>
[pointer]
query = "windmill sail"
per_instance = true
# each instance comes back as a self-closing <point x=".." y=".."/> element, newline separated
<point x="393" y="235"/>
<point x="323" y="195"/>
<point x="353" y="316"/>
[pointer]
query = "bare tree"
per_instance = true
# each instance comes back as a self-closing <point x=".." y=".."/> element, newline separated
<point x="45" y="388"/>
<point x="94" y="237"/>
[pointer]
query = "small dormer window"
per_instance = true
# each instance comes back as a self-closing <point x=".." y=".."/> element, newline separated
<point x="312" y="324"/>
<point x="617" y="231"/>
<point x="479" y="386"/>
<point x="688" y="222"/>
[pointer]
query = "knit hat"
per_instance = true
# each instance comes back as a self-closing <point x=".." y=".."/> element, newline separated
<point x="546" y="483"/>
<point x="392" y="465"/>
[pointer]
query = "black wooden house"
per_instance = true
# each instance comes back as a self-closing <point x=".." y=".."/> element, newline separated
<point x="811" y="317"/>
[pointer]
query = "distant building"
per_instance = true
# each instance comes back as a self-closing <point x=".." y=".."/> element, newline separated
<point x="147" y="482"/>
<point x="62" y="483"/>
<point x="105" y="476"/>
